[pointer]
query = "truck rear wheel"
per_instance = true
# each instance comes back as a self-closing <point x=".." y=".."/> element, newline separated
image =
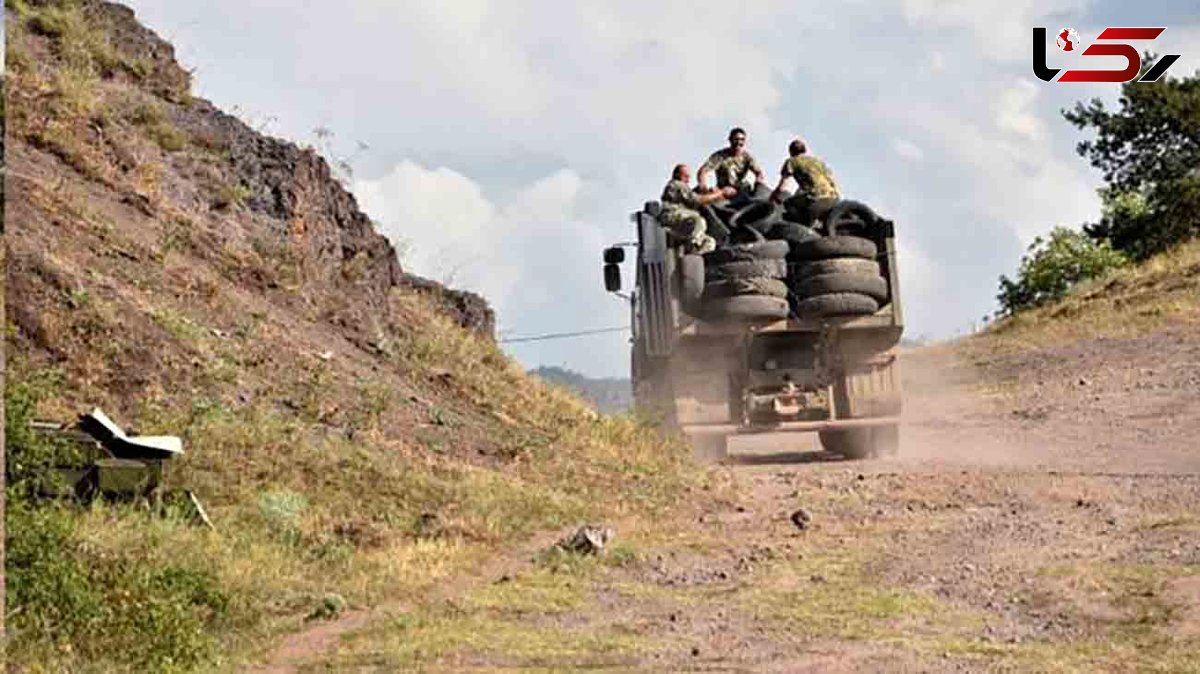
<point x="852" y="443"/>
<point x="862" y="443"/>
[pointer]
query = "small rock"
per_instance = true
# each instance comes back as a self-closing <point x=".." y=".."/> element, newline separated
<point x="332" y="605"/>
<point x="695" y="651"/>
<point x="800" y="518"/>
<point x="1083" y="381"/>
<point x="589" y="539"/>
<point x="673" y="617"/>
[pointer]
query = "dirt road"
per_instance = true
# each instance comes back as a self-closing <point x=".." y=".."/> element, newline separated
<point x="1044" y="514"/>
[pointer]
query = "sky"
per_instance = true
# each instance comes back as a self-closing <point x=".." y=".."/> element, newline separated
<point x="502" y="145"/>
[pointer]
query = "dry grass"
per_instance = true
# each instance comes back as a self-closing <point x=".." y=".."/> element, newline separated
<point x="1125" y="303"/>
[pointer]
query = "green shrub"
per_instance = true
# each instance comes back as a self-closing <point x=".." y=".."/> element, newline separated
<point x="283" y="512"/>
<point x="32" y="457"/>
<point x="1052" y="266"/>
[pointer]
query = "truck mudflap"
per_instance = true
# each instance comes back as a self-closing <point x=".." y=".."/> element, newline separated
<point x="789" y="426"/>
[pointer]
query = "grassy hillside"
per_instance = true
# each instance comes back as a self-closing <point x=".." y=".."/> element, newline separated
<point x="352" y="431"/>
<point x="1125" y="302"/>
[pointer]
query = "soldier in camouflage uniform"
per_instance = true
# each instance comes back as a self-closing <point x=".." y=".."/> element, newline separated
<point x="816" y="192"/>
<point x="731" y="164"/>
<point x="681" y="206"/>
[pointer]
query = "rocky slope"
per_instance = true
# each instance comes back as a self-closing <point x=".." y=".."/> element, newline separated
<point x="353" y="430"/>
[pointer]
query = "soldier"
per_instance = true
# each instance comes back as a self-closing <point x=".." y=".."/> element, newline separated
<point x="816" y="191"/>
<point x="731" y="164"/>
<point x="681" y="207"/>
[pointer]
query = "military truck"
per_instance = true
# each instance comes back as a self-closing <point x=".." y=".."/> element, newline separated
<point x="807" y="345"/>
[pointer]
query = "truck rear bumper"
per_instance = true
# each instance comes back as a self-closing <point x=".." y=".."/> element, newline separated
<point x="789" y="426"/>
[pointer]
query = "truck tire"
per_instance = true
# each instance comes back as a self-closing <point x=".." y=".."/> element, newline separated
<point x="837" y="265"/>
<point x="747" y="307"/>
<point x="691" y="283"/>
<point x="852" y="443"/>
<point x="747" y="269"/>
<point x="746" y="286"/>
<point x="792" y="233"/>
<point x="874" y="287"/>
<point x="762" y="250"/>
<point x="850" y="218"/>
<point x="839" y="304"/>
<point x="862" y="443"/>
<point x="758" y="215"/>
<point x="828" y="247"/>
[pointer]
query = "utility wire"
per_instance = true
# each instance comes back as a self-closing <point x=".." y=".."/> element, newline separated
<point x="561" y="335"/>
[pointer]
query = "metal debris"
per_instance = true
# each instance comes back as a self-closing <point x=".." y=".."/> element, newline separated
<point x="117" y="465"/>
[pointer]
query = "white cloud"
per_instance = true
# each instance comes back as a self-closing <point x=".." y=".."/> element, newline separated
<point x="907" y="149"/>
<point x="509" y="141"/>
<point x="522" y="255"/>
<point x="1015" y="111"/>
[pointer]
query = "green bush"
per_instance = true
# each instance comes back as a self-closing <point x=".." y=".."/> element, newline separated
<point x="69" y="602"/>
<point x="1052" y="266"/>
<point x="31" y="457"/>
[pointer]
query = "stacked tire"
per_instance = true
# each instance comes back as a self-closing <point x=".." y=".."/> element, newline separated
<point x="745" y="282"/>
<point x="836" y="276"/>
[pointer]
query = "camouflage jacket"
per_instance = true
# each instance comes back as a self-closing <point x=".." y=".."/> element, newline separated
<point x="677" y="194"/>
<point x="731" y="169"/>
<point x="812" y="175"/>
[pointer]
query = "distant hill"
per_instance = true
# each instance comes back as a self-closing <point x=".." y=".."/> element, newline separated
<point x="611" y="395"/>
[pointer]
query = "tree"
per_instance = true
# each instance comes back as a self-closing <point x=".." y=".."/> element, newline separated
<point x="1052" y="266"/>
<point x="1149" y="152"/>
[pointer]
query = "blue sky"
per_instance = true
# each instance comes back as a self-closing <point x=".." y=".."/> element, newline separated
<point x="508" y="142"/>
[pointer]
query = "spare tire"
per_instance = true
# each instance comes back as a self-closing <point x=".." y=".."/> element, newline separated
<point x="840" y="304"/>
<point x="850" y="218"/>
<point x="747" y="307"/>
<point x="874" y="287"/>
<point x="691" y="282"/>
<point x="835" y="246"/>
<point x="763" y="250"/>
<point x="746" y="286"/>
<point x="745" y="235"/>
<point x="759" y="215"/>
<point x="746" y="269"/>
<point x="793" y="232"/>
<point x="837" y="265"/>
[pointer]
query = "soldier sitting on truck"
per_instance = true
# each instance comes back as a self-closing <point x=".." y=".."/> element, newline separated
<point x="816" y="192"/>
<point x="731" y="164"/>
<point x="681" y="206"/>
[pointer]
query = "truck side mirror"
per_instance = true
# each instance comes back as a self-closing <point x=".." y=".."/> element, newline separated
<point x="614" y="255"/>
<point x="612" y="278"/>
